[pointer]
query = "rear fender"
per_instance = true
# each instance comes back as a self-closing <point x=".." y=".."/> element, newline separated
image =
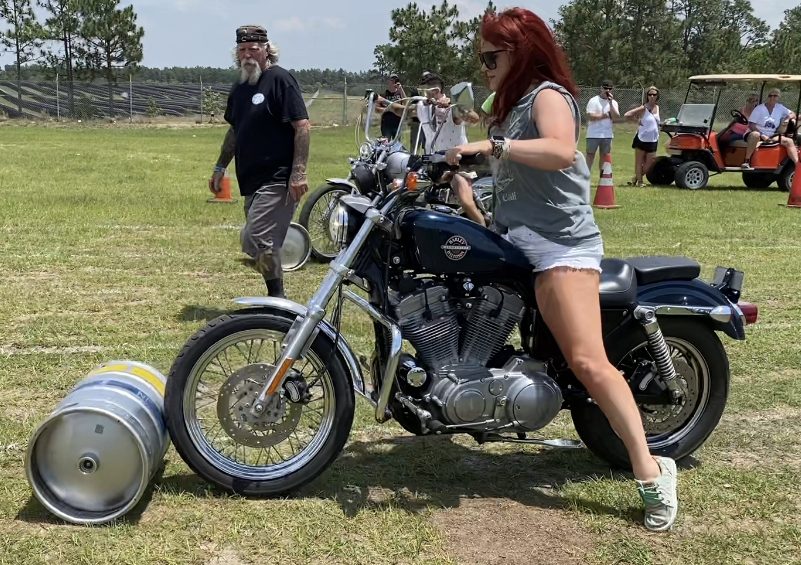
<point x="292" y="310"/>
<point x="694" y="298"/>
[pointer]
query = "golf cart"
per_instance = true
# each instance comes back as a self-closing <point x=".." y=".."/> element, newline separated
<point x="697" y="149"/>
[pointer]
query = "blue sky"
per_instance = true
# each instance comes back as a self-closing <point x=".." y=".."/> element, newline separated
<point x="310" y="33"/>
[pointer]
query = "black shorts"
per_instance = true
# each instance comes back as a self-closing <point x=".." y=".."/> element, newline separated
<point x="647" y="146"/>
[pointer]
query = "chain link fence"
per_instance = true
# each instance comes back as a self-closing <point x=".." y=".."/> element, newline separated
<point x="327" y="106"/>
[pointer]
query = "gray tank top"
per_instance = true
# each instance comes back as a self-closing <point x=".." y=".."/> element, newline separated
<point x="555" y="204"/>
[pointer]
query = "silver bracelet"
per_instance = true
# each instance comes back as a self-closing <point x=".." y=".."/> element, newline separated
<point x="219" y="169"/>
<point x="506" y="148"/>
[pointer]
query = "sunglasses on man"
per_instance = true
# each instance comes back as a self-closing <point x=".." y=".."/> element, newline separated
<point x="490" y="58"/>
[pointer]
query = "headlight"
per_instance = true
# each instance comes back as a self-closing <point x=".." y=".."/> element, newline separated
<point x="366" y="151"/>
<point x="338" y="224"/>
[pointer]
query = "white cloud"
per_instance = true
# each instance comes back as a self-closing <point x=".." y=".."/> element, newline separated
<point x="333" y="22"/>
<point x="292" y="24"/>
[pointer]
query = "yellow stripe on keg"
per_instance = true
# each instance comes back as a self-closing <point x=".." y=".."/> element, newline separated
<point x="143" y="374"/>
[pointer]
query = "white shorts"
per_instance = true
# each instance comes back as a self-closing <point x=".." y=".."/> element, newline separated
<point x="544" y="254"/>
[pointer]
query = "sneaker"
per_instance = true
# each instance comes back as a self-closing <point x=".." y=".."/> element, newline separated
<point x="659" y="497"/>
<point x="747" y="166"/>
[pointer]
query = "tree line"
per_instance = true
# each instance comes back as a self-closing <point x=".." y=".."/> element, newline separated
<point x="632" y="42"/>
<point x="86" y="38"/>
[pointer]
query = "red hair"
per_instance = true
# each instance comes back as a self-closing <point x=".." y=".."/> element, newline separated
<point x="534" y="56"/>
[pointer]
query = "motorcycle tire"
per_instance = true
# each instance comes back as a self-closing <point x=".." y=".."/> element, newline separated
<point x="701" y="354"/>
<point x="314" y="215"/>
<point x="213" y="465"/>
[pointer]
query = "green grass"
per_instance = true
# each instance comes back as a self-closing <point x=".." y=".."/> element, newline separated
<point x="111" y="251"/>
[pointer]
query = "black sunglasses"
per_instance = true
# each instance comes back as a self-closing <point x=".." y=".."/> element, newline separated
<point x="490" y="58"/>
<point x="773" y="95"/>
<point x="653" y="94"/>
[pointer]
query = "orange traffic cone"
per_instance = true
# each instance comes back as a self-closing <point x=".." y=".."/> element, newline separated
<point x="224" y="196"/>
<point x="605" y="194"/>
<point x="794" y="201"/>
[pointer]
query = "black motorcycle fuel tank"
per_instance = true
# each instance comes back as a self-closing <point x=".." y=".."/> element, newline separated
<point x="440" y="243"/>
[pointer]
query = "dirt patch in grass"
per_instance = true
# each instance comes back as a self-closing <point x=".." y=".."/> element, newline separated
<point x="492" y="531"/>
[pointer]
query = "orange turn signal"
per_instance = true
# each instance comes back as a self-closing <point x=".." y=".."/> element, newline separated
<point x="411" y="181"/>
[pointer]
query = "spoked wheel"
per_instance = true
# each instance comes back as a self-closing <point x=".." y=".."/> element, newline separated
<point x="314" y="216"/>
<point x="672" y="430"/>
<point x="214" y="383"/>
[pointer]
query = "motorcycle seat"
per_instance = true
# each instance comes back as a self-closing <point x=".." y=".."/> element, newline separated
<point x="618" y="283"/>
<point x="658" y="268"/>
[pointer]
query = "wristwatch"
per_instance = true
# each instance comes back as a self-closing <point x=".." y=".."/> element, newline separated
<point x="498" y="144"/>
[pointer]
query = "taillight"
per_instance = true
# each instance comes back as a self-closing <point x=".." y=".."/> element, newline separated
<point x="750" y="311"/>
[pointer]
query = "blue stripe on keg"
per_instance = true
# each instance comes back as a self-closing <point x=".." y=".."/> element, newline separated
<point x="151" y="406"/>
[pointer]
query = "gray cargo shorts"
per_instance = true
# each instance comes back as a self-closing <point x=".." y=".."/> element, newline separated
<point x="268" y="213"/>
<point x="602" y="143"/>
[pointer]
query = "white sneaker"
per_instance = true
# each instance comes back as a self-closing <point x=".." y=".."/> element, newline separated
<point x="659" y="497"/>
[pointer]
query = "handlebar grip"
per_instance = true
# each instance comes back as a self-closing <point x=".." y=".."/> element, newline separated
<point x="472" y="160"/>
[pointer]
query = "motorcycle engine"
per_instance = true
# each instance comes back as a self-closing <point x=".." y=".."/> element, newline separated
<point x="455" y="336"/>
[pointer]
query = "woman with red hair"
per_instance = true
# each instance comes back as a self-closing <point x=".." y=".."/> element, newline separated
<point x="542" y="205"/>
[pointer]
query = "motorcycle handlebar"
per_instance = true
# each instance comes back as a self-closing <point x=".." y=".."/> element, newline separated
<point x="465" y="161"/>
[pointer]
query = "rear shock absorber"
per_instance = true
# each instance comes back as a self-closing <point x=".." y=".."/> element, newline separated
<point x="658" y="349"/>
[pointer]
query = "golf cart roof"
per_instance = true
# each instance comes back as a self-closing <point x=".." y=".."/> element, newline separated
<point x="745" y="78"/>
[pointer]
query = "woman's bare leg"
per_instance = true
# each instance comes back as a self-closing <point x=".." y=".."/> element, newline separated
<point x="569" y="303"/>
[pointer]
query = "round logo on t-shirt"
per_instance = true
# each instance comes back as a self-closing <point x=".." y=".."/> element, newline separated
<point x="258" y="98"/>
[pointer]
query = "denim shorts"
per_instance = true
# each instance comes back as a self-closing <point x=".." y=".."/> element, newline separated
<point x="544" y="254"/>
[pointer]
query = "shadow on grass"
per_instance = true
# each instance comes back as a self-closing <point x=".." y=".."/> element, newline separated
<point x="414" y="474"/>
<point x="35" y="512"/>
<point x="195" y="313"/>
<point x="739" y="188"/>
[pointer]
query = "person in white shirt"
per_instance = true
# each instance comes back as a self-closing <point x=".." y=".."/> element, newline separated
<point x="765" y="122"/>
<point x="601" y="110"/>
<point x="443" y="128"/>
<point x="647" y="138"/>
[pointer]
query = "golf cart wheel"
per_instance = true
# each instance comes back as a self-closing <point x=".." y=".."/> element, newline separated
<point x="753" y="179"/>
<point x="786" y="177"/>
<point x="692" y="175"/>
<point x="662" y="172"/>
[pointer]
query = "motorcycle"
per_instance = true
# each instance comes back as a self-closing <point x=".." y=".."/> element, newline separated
<point x="381" y="163"/>
<point x="261" y="400"/>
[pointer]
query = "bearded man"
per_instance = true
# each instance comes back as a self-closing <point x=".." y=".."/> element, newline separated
<point x="269" y="136"/>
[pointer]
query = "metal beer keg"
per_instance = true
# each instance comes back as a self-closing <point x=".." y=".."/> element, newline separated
<point x="92" y="459"/>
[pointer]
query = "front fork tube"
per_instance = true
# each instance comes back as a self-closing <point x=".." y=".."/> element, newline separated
<point x="658" y="349"/>
<point x="299" y="340"/>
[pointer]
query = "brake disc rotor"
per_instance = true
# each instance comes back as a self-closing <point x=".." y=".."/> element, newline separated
<point x="235" y="399"/>
<point x="660" y="419"/>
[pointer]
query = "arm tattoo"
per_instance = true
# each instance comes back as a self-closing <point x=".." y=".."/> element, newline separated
<point x="301" y="157"/>
<point x="228" y="148"/>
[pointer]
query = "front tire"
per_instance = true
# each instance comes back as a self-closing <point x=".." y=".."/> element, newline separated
<point x="692" y="175"/>
<point x="314" y="216"/>
<point x="214" y="380"/>
<point x="786" y="177"/>
<point x="672" y="431"/>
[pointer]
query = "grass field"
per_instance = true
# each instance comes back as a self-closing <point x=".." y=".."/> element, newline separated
<point x="109" y="250"/>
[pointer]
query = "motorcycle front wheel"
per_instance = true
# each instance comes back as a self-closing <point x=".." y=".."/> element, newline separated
<point x="675" y="431"/>
<point x="314" y="216"/>
<point x="212" y="385"/>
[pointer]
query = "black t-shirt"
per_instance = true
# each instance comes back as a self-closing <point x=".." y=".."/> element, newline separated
<point x="261" y="115"/>
<point x="390" y="119"/>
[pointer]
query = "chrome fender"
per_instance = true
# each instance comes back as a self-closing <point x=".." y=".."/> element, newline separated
<point x="343" y="348"/>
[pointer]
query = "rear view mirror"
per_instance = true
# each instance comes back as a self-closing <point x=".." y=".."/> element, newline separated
<point x="462" y="96"/>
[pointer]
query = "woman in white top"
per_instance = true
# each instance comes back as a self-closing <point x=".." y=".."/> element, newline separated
<point x="647" y="138"/>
